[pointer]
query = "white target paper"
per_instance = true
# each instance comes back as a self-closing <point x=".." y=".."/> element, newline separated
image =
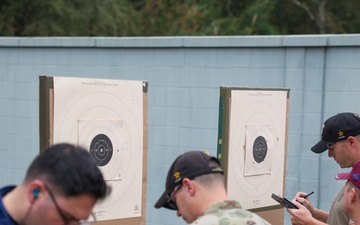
<point x="256" y="146"/>
<point x="106" y="117"/>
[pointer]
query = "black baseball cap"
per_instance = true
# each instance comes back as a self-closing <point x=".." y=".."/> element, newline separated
<point x="337" y="128"/>
<point x="191" y="164"/>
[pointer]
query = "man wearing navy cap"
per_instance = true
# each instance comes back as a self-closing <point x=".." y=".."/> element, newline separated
<point x="341" y="137"/>
<point x="195" y="188"/>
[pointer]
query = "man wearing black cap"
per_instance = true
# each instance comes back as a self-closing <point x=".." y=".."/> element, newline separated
<point x="341" y="137"/>
<point x="195" y="188"/>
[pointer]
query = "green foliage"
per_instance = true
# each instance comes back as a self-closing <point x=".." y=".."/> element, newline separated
<point x="170" y="17"/>
<point x="251" y="21"/>
<point x="176" y="17"/>
<point x="345" y="17"/>
<point x="66" y="18"/>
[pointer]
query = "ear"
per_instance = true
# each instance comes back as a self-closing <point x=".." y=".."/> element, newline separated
<point x="189" y="186"/>
<point x="352" y="195"/>
<point x="34" y="190"/>
<point x="353" y="141"/>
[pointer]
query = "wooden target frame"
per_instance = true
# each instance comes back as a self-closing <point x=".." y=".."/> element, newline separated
<point x="46" y="120"/>
<point x="227" y="153"/>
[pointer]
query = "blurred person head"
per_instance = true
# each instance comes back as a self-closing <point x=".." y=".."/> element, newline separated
<point x="351" y="202"/>
<point x="61" y="186"/>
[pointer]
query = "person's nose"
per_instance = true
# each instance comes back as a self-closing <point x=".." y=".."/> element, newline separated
<point x="178" y="213"/>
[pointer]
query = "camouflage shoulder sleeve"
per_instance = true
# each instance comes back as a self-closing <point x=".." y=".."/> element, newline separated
<point x="233" y="216"/>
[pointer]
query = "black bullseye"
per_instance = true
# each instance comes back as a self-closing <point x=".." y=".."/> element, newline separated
<point x="260" y="149"/>
<point x="101" y="149"/>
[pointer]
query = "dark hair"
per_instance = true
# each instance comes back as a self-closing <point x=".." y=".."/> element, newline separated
<point x="69" y="169"/>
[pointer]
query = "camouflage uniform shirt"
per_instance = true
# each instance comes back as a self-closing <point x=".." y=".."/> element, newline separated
<point x="229" y="213"/>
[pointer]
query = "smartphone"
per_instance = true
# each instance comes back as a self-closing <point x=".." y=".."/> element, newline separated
<point x="284" y="202"/>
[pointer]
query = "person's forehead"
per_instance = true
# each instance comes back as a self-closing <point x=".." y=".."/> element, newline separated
<point x="78" y="206"/>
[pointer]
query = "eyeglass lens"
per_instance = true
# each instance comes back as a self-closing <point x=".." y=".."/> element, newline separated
<point x="66" y="220"/>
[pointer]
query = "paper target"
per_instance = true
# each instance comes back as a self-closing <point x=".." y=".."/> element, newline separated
<point x="259" y="149"/>
<point x="105" y="116"/>
<point x="256" y="146"/>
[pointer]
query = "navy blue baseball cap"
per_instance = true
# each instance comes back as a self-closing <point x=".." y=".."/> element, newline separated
<point x="190" y="165"/>
<point x="337" y="128"/>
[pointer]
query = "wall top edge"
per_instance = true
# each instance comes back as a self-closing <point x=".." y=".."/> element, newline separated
<point x="185" y="41"/>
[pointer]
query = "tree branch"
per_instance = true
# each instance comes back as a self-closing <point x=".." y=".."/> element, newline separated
<point x="306" y="9"/>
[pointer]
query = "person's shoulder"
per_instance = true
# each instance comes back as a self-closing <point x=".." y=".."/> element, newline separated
<point x="238" y="216"/>
<point x="6" y="189"/>
<point x="231" y="218"/>
<point x="229" y="212"/>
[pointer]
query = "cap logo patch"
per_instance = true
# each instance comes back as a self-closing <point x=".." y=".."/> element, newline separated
<point x="177" y="175"/>
<point x="217" y="169"/>
<point x="322" y="129"/>
<point x="341" y="134"/>
<point x="355" y="114"/>
<point x="356" y="176"/>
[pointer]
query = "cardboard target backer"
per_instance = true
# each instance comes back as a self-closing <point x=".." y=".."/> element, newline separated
<point x="109" y="118"/>
<point x="252" y="146"/>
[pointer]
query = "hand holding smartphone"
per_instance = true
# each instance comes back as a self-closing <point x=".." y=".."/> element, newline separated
<point x="284" y="202"/>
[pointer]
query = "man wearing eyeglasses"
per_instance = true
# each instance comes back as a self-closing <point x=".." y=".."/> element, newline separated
<point x="195" y="188"/>
<point x="351" y="202"/>
<point x="341" y="137"/>
<point x="61" y="186"/>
